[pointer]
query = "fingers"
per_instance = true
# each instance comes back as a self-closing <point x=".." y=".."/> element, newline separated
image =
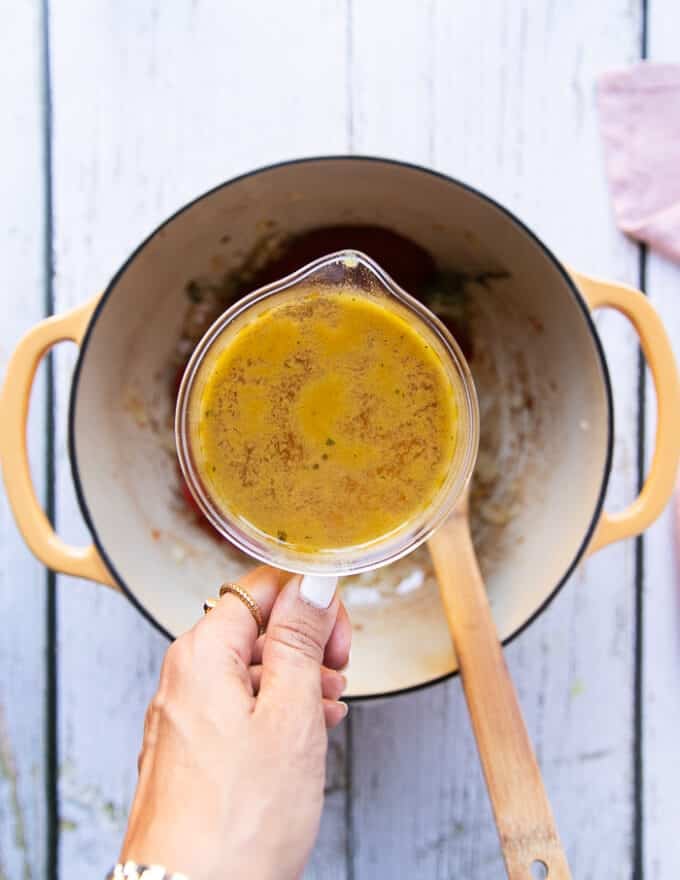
<point x="334" y="712"/>
<point x="333" y="683"/>
<point x="230" y="626"/>
<point x="300" y="625"/>
<point x="337" y="649"/>
<point x="258" y="648"/>
<point x="336" y="655"/>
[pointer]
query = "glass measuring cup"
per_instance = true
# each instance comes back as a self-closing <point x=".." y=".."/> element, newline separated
<point x="342" y="272"/>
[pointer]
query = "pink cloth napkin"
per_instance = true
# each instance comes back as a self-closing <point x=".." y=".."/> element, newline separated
<point x="640" y="122"/>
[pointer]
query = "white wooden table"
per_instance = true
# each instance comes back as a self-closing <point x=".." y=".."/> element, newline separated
<point x="115" y="114"/>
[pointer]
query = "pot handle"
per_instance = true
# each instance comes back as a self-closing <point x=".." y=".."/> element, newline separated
<point x="658" y="353"/>
<point x="84" y="562"/>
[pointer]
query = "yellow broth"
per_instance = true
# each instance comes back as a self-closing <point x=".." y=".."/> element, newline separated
<point x="328" y="421"/>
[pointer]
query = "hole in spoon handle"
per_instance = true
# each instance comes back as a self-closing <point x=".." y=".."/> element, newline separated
<point x="539" y="870"/>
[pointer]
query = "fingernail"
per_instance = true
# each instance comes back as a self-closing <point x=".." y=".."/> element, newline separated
<point x="345" y="708"/>
<point x="344" y="683"/>
<point x="318" y="590"/>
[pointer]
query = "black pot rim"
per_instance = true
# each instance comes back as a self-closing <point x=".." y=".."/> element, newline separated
<point x="127" y="590"/>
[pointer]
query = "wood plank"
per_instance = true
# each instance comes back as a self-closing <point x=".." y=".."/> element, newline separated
<point x="661" y="632"/>
<point x="661" y="575"/>
<point x="501" y="95"/>
<point x="23" y="815"/>
<point x="185" y="95"/>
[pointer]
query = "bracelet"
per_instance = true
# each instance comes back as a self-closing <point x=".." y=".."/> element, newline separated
<point x="132" y="871"/>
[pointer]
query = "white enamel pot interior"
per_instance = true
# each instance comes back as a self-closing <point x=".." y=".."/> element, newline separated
<point x="541" y="378"/>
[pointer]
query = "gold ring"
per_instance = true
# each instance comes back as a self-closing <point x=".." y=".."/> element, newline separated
<point x="208" y="605"/>
<point x="247" y="600"/>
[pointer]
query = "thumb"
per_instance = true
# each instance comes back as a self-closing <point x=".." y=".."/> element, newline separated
<point x="300" y="625"/>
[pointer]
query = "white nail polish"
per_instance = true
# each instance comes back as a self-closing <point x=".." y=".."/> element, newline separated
<point x="318" y="590"/>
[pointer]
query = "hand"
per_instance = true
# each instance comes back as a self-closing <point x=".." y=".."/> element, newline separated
<point x="231" y="773"/>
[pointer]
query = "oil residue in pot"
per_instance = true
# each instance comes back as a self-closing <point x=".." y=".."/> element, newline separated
<point x="473" y="307"/>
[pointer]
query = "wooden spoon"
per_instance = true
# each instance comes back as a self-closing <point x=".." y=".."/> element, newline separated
<point x="526" y="827"/>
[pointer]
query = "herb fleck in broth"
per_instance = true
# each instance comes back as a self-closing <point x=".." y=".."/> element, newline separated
<point x="328" y="421"/>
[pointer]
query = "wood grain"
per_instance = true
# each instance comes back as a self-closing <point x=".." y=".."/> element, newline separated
<point x="503" y="98"/>
<point x="661" y="568"/>
<point x="23" y="582"/>
<point x="526" y="827"/>
<point x="154" y="103"/>
<point x="661" y="633"/>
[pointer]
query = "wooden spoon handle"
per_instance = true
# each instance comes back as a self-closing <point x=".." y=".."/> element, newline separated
<point x="525" y="822"/>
